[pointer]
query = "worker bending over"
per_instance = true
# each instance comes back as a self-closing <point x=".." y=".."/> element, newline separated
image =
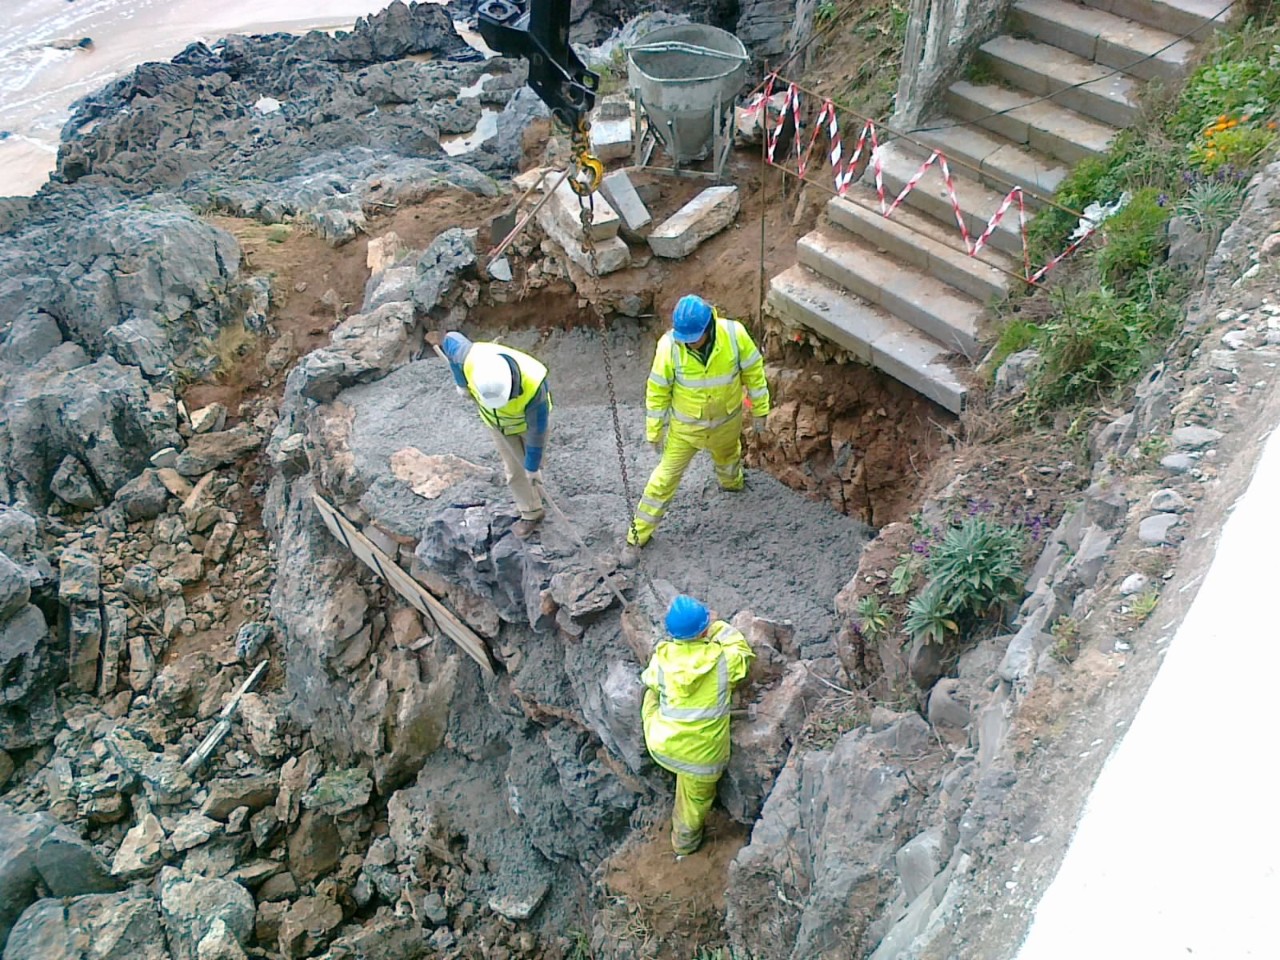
<point x="686" y="710"/>
<point x="694" y="399"/>
<point x="510" y="390"/>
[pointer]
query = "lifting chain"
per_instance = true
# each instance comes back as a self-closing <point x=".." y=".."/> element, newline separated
<point x="586" y="163"/>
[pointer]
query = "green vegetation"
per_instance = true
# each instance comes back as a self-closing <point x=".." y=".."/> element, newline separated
<point x="873" y="618"/>
<point x="976" y="566"/>
<point x="1144" y="604"/>
<point x="1117" y="304"/>
<point x="1066" y="639"/>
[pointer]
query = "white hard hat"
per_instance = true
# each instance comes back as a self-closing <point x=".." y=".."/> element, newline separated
<point x="491" y="378"/>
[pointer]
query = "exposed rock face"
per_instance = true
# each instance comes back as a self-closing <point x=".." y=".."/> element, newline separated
<point x="825" y="842"/>
<point x="325" y="102"/>
<point x="192" y="906"/>
<point x="31" y="665"/>
<point x="100" y="413"/>
<point x="36" y="850"/>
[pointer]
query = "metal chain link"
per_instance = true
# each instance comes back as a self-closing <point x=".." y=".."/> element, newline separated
<point x="586" y="216"/>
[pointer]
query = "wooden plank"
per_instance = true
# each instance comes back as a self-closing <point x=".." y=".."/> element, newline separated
<point x="399" y="580"/>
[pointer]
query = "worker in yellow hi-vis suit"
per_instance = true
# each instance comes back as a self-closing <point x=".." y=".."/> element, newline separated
<point x="700" y="370"/>
<point x="686" y="710"/>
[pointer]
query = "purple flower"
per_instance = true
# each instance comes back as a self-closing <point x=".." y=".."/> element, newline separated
<point x="1162" y="200"/>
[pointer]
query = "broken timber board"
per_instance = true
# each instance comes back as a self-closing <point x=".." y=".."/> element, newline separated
<point x="399" y="580"/>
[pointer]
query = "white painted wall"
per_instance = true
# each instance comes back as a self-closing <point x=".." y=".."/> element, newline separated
<point x="1178" y="851"/>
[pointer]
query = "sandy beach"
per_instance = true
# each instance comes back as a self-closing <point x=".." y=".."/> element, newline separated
<point x="38" y="83"/>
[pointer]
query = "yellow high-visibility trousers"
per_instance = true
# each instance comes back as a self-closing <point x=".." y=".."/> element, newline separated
<point x="724" y="443"/>
<point x="694" y="796"/>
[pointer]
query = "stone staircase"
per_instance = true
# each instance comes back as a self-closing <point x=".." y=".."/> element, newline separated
<point x="903" y="294"/>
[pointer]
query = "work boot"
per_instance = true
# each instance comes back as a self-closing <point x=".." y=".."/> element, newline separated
<point x="525" y="526"/>
<point x="630" y="556"/>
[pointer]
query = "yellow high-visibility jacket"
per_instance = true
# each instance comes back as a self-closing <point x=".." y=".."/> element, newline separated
<point x="686" y="708"/>
<point x="694" y="396"/>
<point x="510" y="418"/>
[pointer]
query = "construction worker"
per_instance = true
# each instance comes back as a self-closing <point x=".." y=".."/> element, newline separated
<point x="694" y="398"/>
<point x="686" y="710"/>
<point x="510" y="390"/>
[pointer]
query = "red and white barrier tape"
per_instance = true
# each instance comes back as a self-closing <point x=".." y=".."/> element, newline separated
<point x="844" y="172"/>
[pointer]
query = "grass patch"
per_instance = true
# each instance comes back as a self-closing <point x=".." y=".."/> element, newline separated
<point x="225" y="351"/>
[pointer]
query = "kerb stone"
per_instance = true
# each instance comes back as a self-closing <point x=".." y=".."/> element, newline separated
<point x="701" y="218"/>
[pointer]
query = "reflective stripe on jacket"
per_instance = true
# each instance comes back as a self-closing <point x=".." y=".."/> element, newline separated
<point x="686" y="725"/>
<point x="509" y="418"/>
<point x="705" y="396"/>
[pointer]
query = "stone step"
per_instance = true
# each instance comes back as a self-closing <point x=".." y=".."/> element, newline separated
<point x="800" y="298"/>
<point x="1002" y="163"/>
<point x="1078" y="84"/>
<point x="931" y="306"/>
<point x="1023" y="118"/>
<point x="1104" y="38"/>
<point x="1176" y="16"/>
<point x="977" y="203"/>
<point x="918" y="239"/>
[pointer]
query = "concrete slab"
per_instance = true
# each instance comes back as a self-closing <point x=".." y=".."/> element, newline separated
<point x="1022" y="118"/>
<point x="566" y="208"/>
<point x="1176" y="16"/>
<point x="923" y="301"/>
<point x="1104" y="37"/>
<point x="1001" y="163"/>
<point x="701" y="218"/>
<point x="612" y="139"/>
<point x="915" y="238"/>
<point x="977" y="203"/>
<point x="621" y="194"/>
<point x="612" y="254"/>
<point x="800" y="298"/>
<point x="1076" y="83"/>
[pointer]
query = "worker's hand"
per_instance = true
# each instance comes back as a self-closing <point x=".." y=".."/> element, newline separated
<point x="757" y="425"/>
<point x="462" y="391"/>
<point x="535" y="477"/>
<point x="657" y="446"/>
<point x="435" y="338"/>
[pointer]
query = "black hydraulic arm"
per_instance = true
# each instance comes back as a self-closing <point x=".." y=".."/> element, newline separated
<point x="538" y="30"/>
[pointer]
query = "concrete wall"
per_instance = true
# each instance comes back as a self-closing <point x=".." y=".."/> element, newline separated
<point x="941" y="37"/>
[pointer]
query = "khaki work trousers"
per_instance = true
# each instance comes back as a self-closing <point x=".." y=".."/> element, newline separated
<point x="511" y="449"/>
<point x="694" y="797"/>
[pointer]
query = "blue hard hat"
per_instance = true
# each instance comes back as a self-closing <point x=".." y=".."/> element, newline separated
<point x="455" y="346"/>
<point x="687" y="618"/>
<point x="690" y="318"/>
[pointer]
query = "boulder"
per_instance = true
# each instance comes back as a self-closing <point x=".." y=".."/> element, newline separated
<point x="208" y="451"/>
<point x="339" y="792"/>
<point x="386" y="935"/>
<point x="15" y="588"/>
<point x="228" y="793"/>
<point x="123" y="926"/>
<point x="31" y="667"/>
<point x="98" y="415"/>
<point x="314" y="847"/>
<point x="308" y="925"/>
<point x="142" y="851"/>
<point x="144" y="497"/>
<point x="829" y="825"/>
<point x="192" y="905"/>
<point x="35" y="849"/>
<point x="72" y="485"/>
<point x="762" y="743"/>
